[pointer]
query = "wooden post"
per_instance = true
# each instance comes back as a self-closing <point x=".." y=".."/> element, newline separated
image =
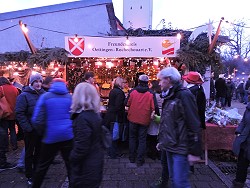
<point x="31" y="46"/>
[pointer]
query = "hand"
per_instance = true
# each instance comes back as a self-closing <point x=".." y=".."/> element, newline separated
<point x="192" y="158"/>
<point x="158" y="147"/>
<point x="152" y="115"/>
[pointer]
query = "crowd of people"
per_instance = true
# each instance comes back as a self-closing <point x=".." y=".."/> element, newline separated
<point x="158" y="118"/>
<point x="224" y="90"/>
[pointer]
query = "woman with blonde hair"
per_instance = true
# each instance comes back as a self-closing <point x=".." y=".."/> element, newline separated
<point x="115" y="113"/>
<point x="87" y="155"/>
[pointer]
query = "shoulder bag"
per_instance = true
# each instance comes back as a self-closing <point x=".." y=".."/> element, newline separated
<point x="5" y="109"/>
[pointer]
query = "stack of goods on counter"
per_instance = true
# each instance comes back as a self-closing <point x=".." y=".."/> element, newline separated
<point x="221" y="117"/>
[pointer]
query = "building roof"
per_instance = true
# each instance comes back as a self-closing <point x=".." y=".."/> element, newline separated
<point x="49" y="25"/>
<point x="52" y="8"/>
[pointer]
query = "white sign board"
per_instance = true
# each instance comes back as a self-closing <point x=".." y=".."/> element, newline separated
<point x="110" y="47"/>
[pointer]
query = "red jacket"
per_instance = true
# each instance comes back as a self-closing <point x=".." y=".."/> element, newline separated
<point x="141" y="105"/>
<point x="11" y="94"/>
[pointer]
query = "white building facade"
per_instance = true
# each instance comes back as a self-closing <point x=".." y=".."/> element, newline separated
<point x="137" y="14"/>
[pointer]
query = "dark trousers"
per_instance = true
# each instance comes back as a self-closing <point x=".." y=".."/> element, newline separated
<point x="13" y="136"/>
<point x="3" y="142"/>
<point x="9" y="125"/>
<point x="32" y="143"/>
<point x="20" y="133"/>
<point x="47" y="155"/>
<point x="137" y="134"/>
<point x="114" y="150"/>
<point x="164" y="163"/>
<point x="152" y="152"/>
<point x="242" y="165"/>
<point x="228" y="101"/>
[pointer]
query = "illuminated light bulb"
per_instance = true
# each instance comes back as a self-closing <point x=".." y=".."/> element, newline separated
<point x="76" y="39"/>
<point x="43" y="72"/>
<point x="127" y="42"/>
<point x="15" y="74"/>
<point x="98" y="63"/>
<point x="56" y="69"/>
<point x="245" y="59"/>
<point x="236" y="56"/>
<point x="178" y="36"/>
<point x="24" y="28"/>
<point x="19" y="68"/>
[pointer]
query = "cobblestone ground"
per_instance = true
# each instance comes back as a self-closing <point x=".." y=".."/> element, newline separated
<point x="119" y="173"/>
<point x="229" y="174"/>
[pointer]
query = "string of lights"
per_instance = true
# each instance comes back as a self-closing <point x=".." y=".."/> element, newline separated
<point x="50" y="30"/>
<point x="238" y="25"/>
<point x="200" y="26"/>
<point x="8" y="27"/>
<point x="106" y="36"/>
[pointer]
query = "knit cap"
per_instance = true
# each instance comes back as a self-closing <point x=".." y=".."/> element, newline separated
<point x="35" y="77"/>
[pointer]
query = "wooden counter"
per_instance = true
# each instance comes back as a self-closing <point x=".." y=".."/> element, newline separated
<point x="219" y="137"/>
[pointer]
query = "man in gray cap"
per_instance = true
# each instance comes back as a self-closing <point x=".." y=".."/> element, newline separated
<point x="25" y="105"/>
<point x="141" y="108"/>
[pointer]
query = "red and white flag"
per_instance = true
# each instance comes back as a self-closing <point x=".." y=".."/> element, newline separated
<point x="76" y="48"/>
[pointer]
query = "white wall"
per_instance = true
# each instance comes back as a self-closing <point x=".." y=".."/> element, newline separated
<point x="82" y="18"/>
<point x="137" y="14"/>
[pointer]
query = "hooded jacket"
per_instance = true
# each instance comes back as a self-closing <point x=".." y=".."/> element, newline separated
<point x="52" y="114"/>
<point x="141" y="104"/>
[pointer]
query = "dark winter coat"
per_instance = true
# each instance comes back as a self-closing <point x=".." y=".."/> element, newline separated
<point x="180" y="130"/>
<point x="247" y="84"/>
<point x="116" y="107"/>
<point x="230" y="89"/>
<point x="221" y="88"/>
<point x="198" y="92"/>
<point x="243" y="140"/>
<point x="25" y="105"/>
<point x="87" y="155"/>
<point x="240" y="88"/>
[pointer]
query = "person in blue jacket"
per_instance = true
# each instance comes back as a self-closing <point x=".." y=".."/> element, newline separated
<point x="51" y="119"/>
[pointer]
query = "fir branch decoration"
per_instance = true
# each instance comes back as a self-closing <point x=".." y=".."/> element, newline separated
<point x="44" y="56"/>
<point x="14" y="56"/>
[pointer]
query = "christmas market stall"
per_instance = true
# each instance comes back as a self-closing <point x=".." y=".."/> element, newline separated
<point x="126" y="56"/>
<point x="18" y="66"/>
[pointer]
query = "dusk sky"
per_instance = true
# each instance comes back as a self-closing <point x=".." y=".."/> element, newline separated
<point x="182" y="15"/>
